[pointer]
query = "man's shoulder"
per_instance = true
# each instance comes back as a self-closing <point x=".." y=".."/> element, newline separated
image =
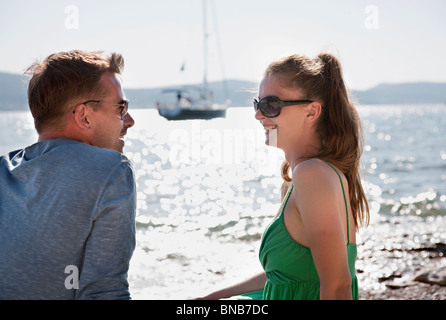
<point x="82" y="157"/>
<point x="88" y="152"/>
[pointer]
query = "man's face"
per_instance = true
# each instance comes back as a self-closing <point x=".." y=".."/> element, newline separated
<point x="109" y="129"/>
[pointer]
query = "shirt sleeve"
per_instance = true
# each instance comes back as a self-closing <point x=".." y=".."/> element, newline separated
<point x="111" y="242"/>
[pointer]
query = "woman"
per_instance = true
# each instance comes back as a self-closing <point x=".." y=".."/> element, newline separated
<point x="309" y="250"/>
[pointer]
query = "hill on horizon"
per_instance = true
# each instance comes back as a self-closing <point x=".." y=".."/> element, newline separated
<point x="404" y="93"/>
<point x="13" y="93"/>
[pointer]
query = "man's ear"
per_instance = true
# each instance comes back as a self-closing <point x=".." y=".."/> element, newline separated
<point x="82" y="116"/>
<point x="314" y="111"/>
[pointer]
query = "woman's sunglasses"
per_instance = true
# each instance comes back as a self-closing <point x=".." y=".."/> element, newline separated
<point x="271" y="106"/>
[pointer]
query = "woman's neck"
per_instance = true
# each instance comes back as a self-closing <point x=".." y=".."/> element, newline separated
<point x="299" y="154"/>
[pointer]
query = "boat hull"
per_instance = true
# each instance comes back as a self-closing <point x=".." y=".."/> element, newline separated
<point x="189" y="114"/>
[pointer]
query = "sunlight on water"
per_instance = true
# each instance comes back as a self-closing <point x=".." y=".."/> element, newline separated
<point x="208" y="189"/>
<point x="17" y="130"/>
<point x="214" y="183"/>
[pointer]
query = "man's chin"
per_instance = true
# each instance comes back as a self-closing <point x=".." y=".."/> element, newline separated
<point x="117" y="146"/>
<point x="120" y="147"/>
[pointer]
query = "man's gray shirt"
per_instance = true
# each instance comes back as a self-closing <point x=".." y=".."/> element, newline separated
<point x="67" y="222"/>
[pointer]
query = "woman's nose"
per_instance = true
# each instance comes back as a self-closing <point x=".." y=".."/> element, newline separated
<point x="258" y="115"/>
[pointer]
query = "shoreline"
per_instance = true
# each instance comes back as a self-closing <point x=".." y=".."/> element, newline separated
<point x="421" y="291"/>
<point x="399" y="258"/>
<point x="403" y="258"/>
<point x="416" y="281"/>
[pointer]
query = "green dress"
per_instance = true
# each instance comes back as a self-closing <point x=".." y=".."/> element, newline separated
<point x="289" y="266"/>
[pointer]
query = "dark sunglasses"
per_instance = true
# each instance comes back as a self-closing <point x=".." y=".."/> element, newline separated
<point x="271" y="106"/>
<point x="124" y="106"/>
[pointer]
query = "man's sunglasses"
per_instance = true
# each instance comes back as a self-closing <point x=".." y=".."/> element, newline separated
<point x="124" y="106"/>
<point x="271" y="106"/>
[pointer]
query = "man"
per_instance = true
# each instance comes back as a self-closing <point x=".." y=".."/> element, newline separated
<point x="67" y="202"/>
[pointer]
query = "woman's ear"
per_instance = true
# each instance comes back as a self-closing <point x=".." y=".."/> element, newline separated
<point x="314" y="111"/>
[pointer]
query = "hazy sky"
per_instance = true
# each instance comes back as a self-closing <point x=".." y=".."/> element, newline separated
<point x="376" y="40"/>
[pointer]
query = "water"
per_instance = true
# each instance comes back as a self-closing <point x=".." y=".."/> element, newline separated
<point x="207" y="190"/>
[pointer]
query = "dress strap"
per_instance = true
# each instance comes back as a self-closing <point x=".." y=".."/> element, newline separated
<point x="345" y="200"/>
<point x="285" y="200"/>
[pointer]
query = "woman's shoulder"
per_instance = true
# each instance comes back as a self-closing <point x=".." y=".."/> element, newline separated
<point x="309" y="168"/>
<point x="316" y="192"/>
<point x="314" y="174"/>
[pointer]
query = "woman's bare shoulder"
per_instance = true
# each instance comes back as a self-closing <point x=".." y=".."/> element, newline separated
<point x="309" y="169"/>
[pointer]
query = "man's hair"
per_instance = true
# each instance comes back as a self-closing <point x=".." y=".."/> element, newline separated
<point x="65" y="79"/>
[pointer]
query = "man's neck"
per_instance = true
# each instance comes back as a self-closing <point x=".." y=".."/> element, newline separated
<point x="48" y="135"/>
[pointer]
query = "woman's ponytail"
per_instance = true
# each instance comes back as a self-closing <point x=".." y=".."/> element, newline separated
<point x="339" y="126"/>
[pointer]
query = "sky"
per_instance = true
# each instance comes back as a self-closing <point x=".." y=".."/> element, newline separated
<point x="377" y="41"/>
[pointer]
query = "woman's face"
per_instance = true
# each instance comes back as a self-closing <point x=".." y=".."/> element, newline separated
<point x="284" y="130"/>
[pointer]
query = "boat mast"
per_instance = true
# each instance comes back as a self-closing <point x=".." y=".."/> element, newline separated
<point x="205" y="50"/>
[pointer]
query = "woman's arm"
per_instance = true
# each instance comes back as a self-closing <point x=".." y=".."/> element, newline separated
<point x="255" y="283"/>
<point x="317" y="199"/>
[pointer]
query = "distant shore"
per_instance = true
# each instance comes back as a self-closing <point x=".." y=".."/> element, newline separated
<point x="13" y="93"/>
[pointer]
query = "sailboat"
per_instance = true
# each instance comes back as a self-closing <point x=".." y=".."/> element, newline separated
<point x="189" y="102"/>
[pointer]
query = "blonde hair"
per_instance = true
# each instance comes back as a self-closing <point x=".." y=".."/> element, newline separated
<point x="339" y="128"/>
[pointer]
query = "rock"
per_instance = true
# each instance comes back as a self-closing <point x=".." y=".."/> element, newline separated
<point x="439" y="249"/>
<point x="436" y="276"/>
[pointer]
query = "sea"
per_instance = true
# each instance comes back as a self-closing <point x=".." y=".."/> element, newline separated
<point x="208" y="188"/>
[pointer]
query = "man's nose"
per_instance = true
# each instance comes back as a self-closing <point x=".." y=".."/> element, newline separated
<point x="128" y="120"/>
